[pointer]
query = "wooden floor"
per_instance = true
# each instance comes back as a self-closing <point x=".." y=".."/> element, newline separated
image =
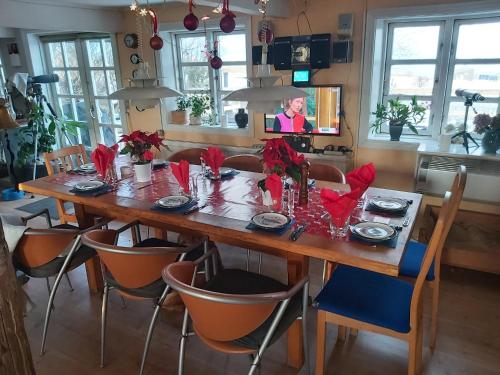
<point x="468" y="339"/>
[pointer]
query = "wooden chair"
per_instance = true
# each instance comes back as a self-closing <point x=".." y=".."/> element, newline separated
<point x="250" y="163"/>
<point x="362" y="299"/>
<point x="237" y="312"/>
<point x="192" y="155"/>
<point x="326" y="172"/>
<point x="415" y="251"/>
<point x="135" y="272"/>
<point x="61" y="161"/>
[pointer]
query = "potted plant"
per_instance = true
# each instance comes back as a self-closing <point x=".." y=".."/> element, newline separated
<point x="138" y="144"/>
<point x="180" y="115"/>
<point x="490" y="127"/>
<point x="200" y="104"/>
<point x="399" y="115"/>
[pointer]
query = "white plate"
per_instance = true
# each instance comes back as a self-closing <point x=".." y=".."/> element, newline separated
<point x="87" y="167"/>
<point x="291" y="182"/>
<point x="270" y="220"/>
<point x="224" y="171"/>
<point x="89" y="185"/>
<point x="157" y="162"/>
<point x="374" y="231"/>
<point x="174" y="201"/>
<point x="389" y="204"/>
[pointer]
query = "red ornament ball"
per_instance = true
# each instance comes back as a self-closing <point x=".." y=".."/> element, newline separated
<point x="156" y="42"/>
<point x="191" y="22"/>
<point x="216" y="62"/>
<point x="227" y="24"/>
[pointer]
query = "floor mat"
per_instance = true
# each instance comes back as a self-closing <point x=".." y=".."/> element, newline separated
<point x="49" y="203"/>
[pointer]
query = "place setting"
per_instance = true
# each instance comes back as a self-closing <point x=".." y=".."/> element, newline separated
<point x="389" y="206"/>
<point x="211" y="161"/>
<point x="85" y="169"/>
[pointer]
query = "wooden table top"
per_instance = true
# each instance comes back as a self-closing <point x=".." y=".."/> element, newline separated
<point x="230" y="205"/>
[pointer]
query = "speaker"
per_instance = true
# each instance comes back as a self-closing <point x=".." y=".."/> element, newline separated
<point x="342" y="51"/>
<point x="282" y="53"/>
<point x="320" y="51"/>
<point x="300" y="144"/>
<point x="257" y="55"/>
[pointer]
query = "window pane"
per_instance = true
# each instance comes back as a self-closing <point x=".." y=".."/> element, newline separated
<point x="56" y="56"/>
<point x="192" y="49"/>
<point x="66" y="108"/>
<point x="232" y="47"/>
<point x="81" y="110"/>
<point x="233" y="77"/>
<point x="418" y="42"/>
<point x="484" y="79"/>
<point x="479" y="41"/>
<point x="103" y="111"/>
<point x="111" y="81"/>
<point x="94" y="53"/>
<point x="195" y="77"/>
<point x="456" y="114"/>
<point x="108" y="52"/>
<point x="70" y="54"/>
<point x="76" y="83"/>
<point x="229" y="110"/>
<point x="115" y="108"/>
<point x="108" y="135"/>
<point x="62" y="86"/>
<point x="425" y="122"/>
<point x="412" y="79"/>
<point x="99" y="83"/>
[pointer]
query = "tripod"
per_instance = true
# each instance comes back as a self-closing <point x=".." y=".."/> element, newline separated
<point x="464" y="134"/>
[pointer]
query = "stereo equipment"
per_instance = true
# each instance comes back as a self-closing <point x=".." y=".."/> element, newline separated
<point x="342" y="52"/>
<point x="257" y="55"/>
<point x="300" y="144"/>
<point x="282" y="52"/>
<point x="320" y="51"/>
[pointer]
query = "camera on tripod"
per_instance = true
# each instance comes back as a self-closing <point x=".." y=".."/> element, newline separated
<point x="469" y="95"/>
<point x="34" y="93"/>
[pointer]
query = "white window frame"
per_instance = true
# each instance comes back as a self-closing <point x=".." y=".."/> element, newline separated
<point x="2" y="79"/>
<point x="374" y="58"/>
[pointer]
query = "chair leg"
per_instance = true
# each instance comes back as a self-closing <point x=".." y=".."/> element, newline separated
<point x="305" y="301"/>
<point x="342" y="333"/>
<point x="260" y="263"/>
<point x="69" y="282"/>
<point x="320" y="342"/>
<point x="182" y="346"/>
<point x="248" y="260"/>
<point x="412" y="355"/>
<point x="353" y="332"/>
<point x="122" y="302"/>
<point x="104" y="311"/>
<point x="48" y="285"/>
<point x="154" y="318"/>
<point x="434" y="315"/>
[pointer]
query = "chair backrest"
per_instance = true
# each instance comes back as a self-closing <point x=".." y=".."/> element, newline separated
<point x="192" y="155"/>
<point x="131" y="267"/>
<point x="250" y="163"/>
<point x="326" y="172"/>
<point x="64" y="159"/>
<point x="218" y="316"/>
<point x="39" y="246"/>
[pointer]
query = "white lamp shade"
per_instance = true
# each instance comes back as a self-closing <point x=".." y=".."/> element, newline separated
<point x="148" y="92"/>
<point x="265" y="94"/>
<point x="264" y="106"/>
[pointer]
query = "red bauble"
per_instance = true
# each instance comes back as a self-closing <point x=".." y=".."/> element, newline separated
<point x="156" y="42"/>
<point x="216" y="62"/>
<point x="191" y="22"/>
<point x="227" y="23"/>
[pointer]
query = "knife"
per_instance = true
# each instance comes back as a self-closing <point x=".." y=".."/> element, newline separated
<point x="195" y="208"/>
<point x="298" y="232"/>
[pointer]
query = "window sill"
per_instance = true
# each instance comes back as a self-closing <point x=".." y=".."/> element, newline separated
<point x="407" y="142"/>
<point x="207" y="129"/>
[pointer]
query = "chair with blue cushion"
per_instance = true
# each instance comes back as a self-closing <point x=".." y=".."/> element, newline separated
<point x="414" y="254"/>
<point x="362" y="299"/>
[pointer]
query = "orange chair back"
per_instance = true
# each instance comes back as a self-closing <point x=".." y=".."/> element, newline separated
<point x="65" y="159"/>
<point x="326" y="172"/>
<point x="192" y="155"/>
<point x="250" y="163"/>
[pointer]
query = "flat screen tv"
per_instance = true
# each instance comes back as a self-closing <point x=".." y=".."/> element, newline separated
<point x="317" y="113"/>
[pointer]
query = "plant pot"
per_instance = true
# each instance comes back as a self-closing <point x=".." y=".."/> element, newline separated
<point x="142" y="172"/>
<point x="179" y="117"/>
<point x="194" y="120"/>
<point x="241" y="118"/>
<point x="25" y="173"/>
<point x="395" y="130"/>
<point x="491" y="141"/>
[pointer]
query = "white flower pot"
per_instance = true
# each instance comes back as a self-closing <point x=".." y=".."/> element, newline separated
<point x="142" y="172"/>
<point x="194" y="120"/>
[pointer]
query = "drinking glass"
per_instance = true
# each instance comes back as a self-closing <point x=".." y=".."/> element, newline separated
<point x="338" y="227"/>
<point x="194" y="186"/>
<point x="203" y="168"/>
<point x="291" y="201"/>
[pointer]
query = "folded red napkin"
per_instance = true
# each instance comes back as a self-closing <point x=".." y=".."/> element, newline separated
<point x="339" y="206"/>
<point x="361" y="178"/>
<point x="181" y="173"/>
<point x="214" y="158"/>
<point x="274" y="184"/>
<point x="103" y="157"/>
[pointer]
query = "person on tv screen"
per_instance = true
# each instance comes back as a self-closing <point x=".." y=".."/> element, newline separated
<point x="292" y="120"/>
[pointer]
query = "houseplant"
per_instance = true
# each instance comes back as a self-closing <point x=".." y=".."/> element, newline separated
<point x="180" y="115"/>
<point x="138" y="144"/>
<point x="398" y="115"/>
<point x="200" y="104"/>
<point x="282" y="159"/>
<point x="490" y="127"/>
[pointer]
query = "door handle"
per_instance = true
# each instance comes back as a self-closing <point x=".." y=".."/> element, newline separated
<point x="92" y="112"/>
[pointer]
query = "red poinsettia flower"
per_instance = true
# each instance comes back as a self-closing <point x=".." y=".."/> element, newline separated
<point x="138" y="144"/>
<point x="148" y="155"/>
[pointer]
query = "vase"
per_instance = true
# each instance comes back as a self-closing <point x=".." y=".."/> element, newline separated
<point x="491" y="141"/>
<point x="395" y="130"/>
<point x="241" y="118"/>
<point x="194" y="120"/>
<point x="142" y="172"/>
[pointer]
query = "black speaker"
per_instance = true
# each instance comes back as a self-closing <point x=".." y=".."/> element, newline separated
<point x="257" y="55"/>
<point x="300" y="144"/>
<point x="320" y="51"/>
<point x="282" y="53"/>
<point x="342" y="51"/>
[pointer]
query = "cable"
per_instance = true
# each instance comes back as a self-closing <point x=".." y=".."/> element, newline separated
<point x="303" y="13"/>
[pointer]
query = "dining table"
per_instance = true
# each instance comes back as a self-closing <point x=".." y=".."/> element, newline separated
<point x="227" y="207"/>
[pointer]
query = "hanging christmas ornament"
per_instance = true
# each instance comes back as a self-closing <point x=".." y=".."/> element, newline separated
<point x="227" y="23"/>
<point x="155" y="42"/>
<point x="265" y="32"/>
<point x="215" y="61"/>
<point x="191" y="21"/>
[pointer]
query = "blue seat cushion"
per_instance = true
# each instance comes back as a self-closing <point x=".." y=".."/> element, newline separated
<point x="412" y="260"/>
<point x="367" y="296"/>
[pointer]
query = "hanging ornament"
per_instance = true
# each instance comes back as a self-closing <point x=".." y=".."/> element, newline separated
<point x="155" y="42"/>
<point x="191" y="21"/>
<point x="265" y="33"/>
<point x="227" y="23"/>
<point x="215" y="61"/>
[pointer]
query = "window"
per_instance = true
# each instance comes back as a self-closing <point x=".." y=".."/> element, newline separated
<point x="2" y="80"/>
<point x="196" y="76"/>
<point x="430" y="58"/>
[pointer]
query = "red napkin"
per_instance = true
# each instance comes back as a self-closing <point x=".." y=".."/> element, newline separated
<point x="361" y="178"/>
<point x="274" y="184"/>
<point x="339" y="206"/>
<point x="103" y="157"/>
<point x="181" y="173"/>
<point x="214" y="158"/>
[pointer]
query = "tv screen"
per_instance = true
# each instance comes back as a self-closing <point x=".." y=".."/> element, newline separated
<point x="316" y="113"/>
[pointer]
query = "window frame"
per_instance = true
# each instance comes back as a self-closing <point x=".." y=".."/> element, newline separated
<point x="2" y="80"/>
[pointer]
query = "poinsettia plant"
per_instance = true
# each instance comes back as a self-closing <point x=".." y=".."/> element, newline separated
<point x="282" y="159"/>
<point x="138" y="144"/>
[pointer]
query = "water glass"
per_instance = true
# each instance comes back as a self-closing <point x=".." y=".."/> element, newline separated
<point x="194" y="186"/>
<point x="291" y="201"/>
<point x="339" y="229"/>
<point x="203" y="167"/>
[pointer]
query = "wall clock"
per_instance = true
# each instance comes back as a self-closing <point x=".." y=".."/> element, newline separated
<point x="131" y="40"/>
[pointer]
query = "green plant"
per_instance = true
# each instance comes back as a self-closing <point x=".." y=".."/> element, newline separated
<point x="200" y="103"/>
<point x="399" y="114"/>
<point x="183" y="103"/>
<point x="45" y="126"/>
